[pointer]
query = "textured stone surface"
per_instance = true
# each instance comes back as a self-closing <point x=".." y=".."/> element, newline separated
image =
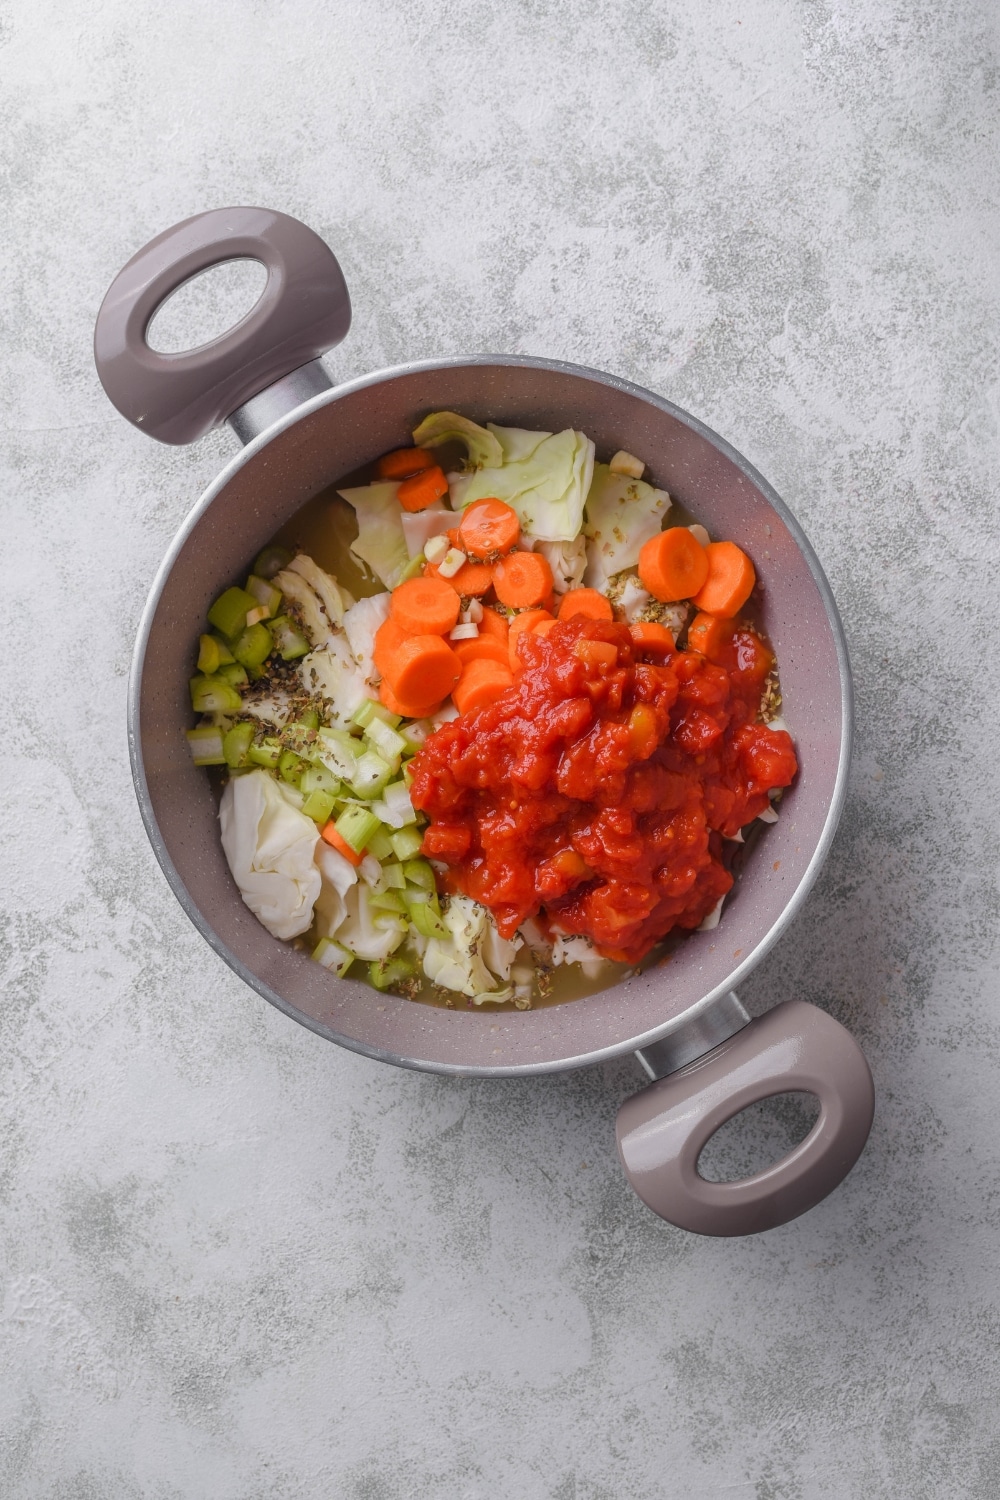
<point x="238" y="1263"/>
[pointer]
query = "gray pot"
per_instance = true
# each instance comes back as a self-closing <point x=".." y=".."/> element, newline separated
<point x="682" y="1019"/>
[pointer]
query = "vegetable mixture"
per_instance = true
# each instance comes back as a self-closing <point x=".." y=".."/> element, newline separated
<point x="537" y="745"/>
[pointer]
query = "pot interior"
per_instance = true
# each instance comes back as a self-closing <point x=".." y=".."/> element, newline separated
<point x="337" y="434"/>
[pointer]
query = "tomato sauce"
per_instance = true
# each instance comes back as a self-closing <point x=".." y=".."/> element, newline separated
<point x="596" y="792"/>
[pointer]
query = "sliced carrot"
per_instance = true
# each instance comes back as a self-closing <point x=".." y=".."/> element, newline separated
<point x="402" y="463"/>
<point x="424" y="606"/>
<point x="730" y="580"/>
<point x="495" y="624"/>
<point x="482" y="648"/>
<point x="707" y="634"/>
<point x="423" y="489"/>
<point x="585" y="602"/>
<point x="405" y="710"/>
<point x="673" y="565"/>
<point x="388" y="639"/>
<point x="653" y="639"/>
<point x="542" y="627"/>
<point x="488" y="528"/>
<point x="482" y="683"/>
<point x="524" y="621"/>
<point x="522" y="579"/>
<point x="472" y="580"/>
<point x="329" y="835"/>
<point x="423" y="670"/>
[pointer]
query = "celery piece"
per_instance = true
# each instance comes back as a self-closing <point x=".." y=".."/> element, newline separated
<point x="371" y="774"/>
<point x="356" y="825"/>
<point x="406" y="843"/>
<point x="271" y="561"/>
<point x="213" y="695"/>
<point x="234" y="674"/>
<point x="415" y="733"/>
<point x="379" y="844"/>
<point x="319" y="779"/>
<point x="368" y="711"/>
<point x="382" y="972"/>
<point x="333" y="957"/>
<point x="387" y="901"/>
<point x="385" y="741"/>
<point x="318" y="806"/>
<point x="392" y="875"/>
<point x="230" y="610"/>
<point x="309" y="717"/>
<point x="266" y="754"/>
<point x="225" y="655"/>
<point x="253" y="646"/>
<point x="337" y="751"/>
<point x="205" y="744"/>
<point x="209" y="660"/>
<point x="427" y="922"/>
<point x="418" y="872"/>
<point x="289" y="641"/>
<point x="266" y="594"/>
<point x="413" y="568"/>
<point x="290" y="767"/>
<point x="236" y="745"/>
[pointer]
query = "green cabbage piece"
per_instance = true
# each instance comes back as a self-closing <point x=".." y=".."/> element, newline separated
<point x="459" y="961"/>
<point x="621" y="514"/>
<point x="380" y="541"/>
<point x="448" y="427"/>
<point x="546" y="486"/>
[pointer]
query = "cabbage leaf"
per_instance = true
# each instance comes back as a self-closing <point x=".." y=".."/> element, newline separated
<point x="269" y="845"/>
<point x="621" y="514"/>
<point x="546" y="486"/>
<point x="380" y="541"/>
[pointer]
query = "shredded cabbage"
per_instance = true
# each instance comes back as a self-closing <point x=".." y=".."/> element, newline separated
<point x="361" y="622"/>
<point x="547" y="487"/>
<point x="358" y="931"/>
<point x="459" y="961"/>
<point x="269" y="845"/>
<point x="334" y="675"/>
<point x="448" y="427"/>
<point x="420" y="525"/>
<point x="333" y="599"/>
<point x="578" y="950"/>
<point x="621" y="514"/>
<point x="568" y="560"/>
<point x="318" y="627"/>
<point x="380" y="541"/>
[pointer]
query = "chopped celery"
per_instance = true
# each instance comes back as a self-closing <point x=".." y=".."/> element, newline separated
<point x="209" y="660"/>
<point x="319" y="779"/>
<point x="290" y="767"/>
<point x="333" y="957"/>
<point x="371" y="774"/>
<point x="387" y="901"/>
<point x="356" y="825"/>
<point x="289" y="641"/>
<point x="395" y="808"/>
<point x="230" y="610"/>
<point x="382" y="972"/>
<point x="385" y="741"/>
<point x="415" y="733"/>
<point x="380" y="844"/>
<point x="206" y="745"/>
<point x="225" y="655"/>
<point x="336" y="750"/>
<point x="266" y="595"/>
<point x="271" y="561"/>
<point x="309" y="717"/>
<point x="253" y="646"/>
<point x="266" y="754"/>
<point x="213" y="695"/>
<point x="318" y="806"/>
<point x="427" y="922"/>
<point x="369" y="711"/>
<point x="236" y="745"/>
<point x="234" y="674"/>
<point x="393" y="877"/>
<point x="419" y="872"/>
<point x="406" y="843"/>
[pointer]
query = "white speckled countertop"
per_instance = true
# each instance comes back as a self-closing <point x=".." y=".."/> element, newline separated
<point x="237" y="1263"/>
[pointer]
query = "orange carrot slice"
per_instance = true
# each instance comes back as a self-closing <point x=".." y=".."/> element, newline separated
<point x="585" y="602"/>
<point x="424" y="606"/>
<point x="707" y="634"/>
<point x="495" y="624"/>
<point x="388" y="639"/>
<point x="423" y="489"/>
<point x="423" y="670"/>
<point x="329" y="835"/>
<point x="542" y="627"/>
<point x="472" y="580"/>
<point x="522" y="579"/>
<point x="729" y="583"/>
<point x="652" y="639"/>
<point x="488" y="528"/>
<point x="481" y="648"/>
<point x="673" y="565"/>
<point x="481" y="683"/>
<point x="402" y="463"/>
<point x="524" y="621"/>
<point x="405" y="710"/>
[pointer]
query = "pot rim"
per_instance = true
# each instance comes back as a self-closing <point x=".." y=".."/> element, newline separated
<point x="694" y="1013"/>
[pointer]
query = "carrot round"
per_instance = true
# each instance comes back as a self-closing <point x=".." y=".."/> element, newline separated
<point x="522" y="579"/>
<point x="424" y="606"/>
<point x="542" y="627"/>
<point x="527" y="620"/>
<point x="673" y="565"/>
<point x="488" y="528"/>
<point x="482" y="648"/>
<point x="729" y="583"/>
<point x="423" y="670"/>
<point x="402" y="463"/>
<point x="653" y="639"/>
<point x="495" y="624"/>
<point x="482" y="683"/>
<point x="423" y="489"/>
<point x="585" y="602"/>
<point x="405" y="710"/>
<point x="388" y="639"/>
<point x="472" y="580"/>
<point x="707" y="634"/>
<point x="329" y="835"/>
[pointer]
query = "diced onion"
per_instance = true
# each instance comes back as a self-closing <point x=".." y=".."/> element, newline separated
<point x="627" y="463"/>
<point x="370" y="870"/>
<point x="435" y="548"/>
<point x="700" y="534"/>
<point x="464" y="632"/>
<point x="451" y="562"/>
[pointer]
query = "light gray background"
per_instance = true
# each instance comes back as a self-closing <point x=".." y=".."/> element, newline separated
<point x="239" y="1263"/>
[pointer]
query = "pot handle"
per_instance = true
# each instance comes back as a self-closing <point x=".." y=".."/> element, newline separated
<point x="663" y="1130"/>
<point x="303" y="310"/>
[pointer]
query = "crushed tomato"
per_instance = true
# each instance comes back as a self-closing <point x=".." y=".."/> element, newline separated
<point x="596" y="791"/>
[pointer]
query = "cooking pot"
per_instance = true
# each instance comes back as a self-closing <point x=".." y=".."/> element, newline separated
<point x="682" y="1018"/>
